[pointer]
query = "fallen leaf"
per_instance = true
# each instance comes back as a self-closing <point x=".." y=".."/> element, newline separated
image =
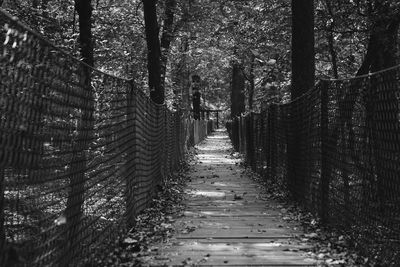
<point x="237" y="197"/>
<point x="129" y="240"/>
<point x="312" y="235"/>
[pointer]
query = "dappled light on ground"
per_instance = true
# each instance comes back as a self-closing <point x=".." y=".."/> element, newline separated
<point x="207" y="193"/>
<point x="227" y="220"/>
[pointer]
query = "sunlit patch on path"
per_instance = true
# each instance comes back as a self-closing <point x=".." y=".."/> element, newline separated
<point x="228" y="221"/>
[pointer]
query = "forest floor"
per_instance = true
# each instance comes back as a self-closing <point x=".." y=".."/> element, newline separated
<point x="218" y="213"/>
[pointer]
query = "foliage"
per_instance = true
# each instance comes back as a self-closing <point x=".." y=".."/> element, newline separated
<point x="217" y="34"/>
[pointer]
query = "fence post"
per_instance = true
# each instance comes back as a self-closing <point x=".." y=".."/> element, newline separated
<point x="130" y="162"/>
<point x="179" y="140"/>
<point x="78" y="165"/>
<point x="272" y="142"/>
<point x="2" y="229"/>
<point x="325" y="179"/>
<point x="247" y="137"/>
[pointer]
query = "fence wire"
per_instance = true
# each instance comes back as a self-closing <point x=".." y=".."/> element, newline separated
<point x="336" y="150"/>
<point x="81" y="152"/>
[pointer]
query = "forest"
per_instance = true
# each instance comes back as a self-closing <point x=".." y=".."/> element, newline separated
<point x="212" y="38"/>
<point x="309" y="92"/>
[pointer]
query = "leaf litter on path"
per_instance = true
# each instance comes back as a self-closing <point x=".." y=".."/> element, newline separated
<point x="153" y="227"/>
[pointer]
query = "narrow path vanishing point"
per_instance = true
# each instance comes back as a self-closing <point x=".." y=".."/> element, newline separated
<point x="227" y="221"/>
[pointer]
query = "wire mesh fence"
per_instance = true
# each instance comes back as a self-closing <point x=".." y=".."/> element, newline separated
<point x="336" y="150"/>
<point x="81" y="152"/>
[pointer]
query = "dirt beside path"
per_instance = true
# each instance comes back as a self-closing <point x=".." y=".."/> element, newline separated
<point x="228" y="221"/>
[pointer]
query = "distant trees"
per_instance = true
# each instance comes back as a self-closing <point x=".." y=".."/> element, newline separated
<point x="204" y="35"/>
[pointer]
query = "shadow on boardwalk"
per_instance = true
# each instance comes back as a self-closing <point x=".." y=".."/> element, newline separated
<point x="227" y="221"/>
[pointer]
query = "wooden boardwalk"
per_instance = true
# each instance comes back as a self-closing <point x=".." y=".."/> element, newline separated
<point x="227" y="221"/>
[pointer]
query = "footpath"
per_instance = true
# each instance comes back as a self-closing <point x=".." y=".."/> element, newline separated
<point x="228" y="221"/>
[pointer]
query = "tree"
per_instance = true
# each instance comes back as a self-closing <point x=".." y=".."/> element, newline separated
<point x="303" y="54"/>
<point x="303" y="76"/>
<point x="153" y="51"/>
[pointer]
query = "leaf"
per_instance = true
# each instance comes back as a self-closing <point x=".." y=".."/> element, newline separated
<point x="60" y="220"/>
<point x="237" y="197"/>
<point x="129" y="240"/>
<point x="312" y="235"/>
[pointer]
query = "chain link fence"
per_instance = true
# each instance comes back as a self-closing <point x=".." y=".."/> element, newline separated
<point x="81" y="152"/>
<point x="336" y="151"/>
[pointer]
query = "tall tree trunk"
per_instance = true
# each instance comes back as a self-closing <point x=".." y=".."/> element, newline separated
<point x="153" y="51"/>
<point x="167" y="36"/>
<point x="303" y="78"/>
<point x="84" y="10"/>
<point x="237" y="91"/>
<point x="303" y="54"/>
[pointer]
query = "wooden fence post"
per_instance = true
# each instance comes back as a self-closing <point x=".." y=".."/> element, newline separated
<point x="249" y="139"/>
<point x="130" y="161"/>
<point x="78" y="165"/>
<point x="272" y="118"/>
<point x="2" y="229"/>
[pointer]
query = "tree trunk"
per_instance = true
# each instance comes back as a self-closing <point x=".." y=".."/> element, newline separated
<point x="237" y="91"/>
<point x="84" y="10"/>
<point x="303" y="55"/>
<point x="153" y="51"/>
<point x="303" y="77"/>
<point x="167" y="36"/>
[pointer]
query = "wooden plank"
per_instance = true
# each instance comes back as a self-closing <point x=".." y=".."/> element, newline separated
<point x="197" y="259"/>
<point x="228" y="221"/>
<point x="222" y="213"/>
<point x="244" y="232"/>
